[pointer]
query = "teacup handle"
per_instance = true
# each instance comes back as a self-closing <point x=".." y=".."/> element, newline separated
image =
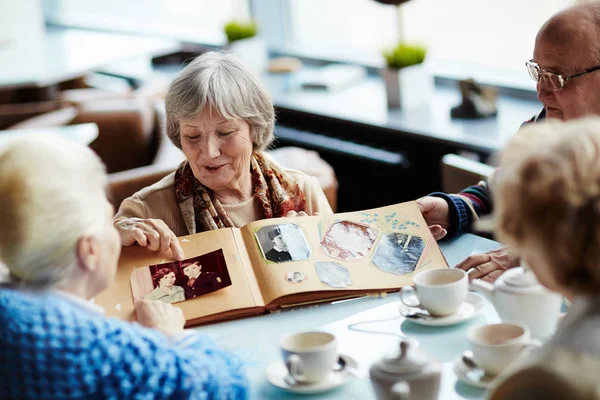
<point x="293" y="365"/>
<point x="533" y="344"/>
<point x="401" y="391"/>
<point x="411" y="290"/>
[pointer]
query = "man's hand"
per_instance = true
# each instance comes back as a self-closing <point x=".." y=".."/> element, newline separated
<point x="435" y="211"/>
<point x="489" y="266"/>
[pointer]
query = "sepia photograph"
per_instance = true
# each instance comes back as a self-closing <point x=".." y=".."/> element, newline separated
<point x="282" y="243"/>
<point x="347" y="241"/>
<point x="181" y="280"/>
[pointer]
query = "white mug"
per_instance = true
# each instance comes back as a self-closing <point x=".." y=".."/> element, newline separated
<point x="496" y="346"/>
<point x="309" y="356"/>
<point x="439" y="291"/>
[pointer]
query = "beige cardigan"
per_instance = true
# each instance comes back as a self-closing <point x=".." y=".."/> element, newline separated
<point x="158" y="201"/>
<point x="568" y="366"/>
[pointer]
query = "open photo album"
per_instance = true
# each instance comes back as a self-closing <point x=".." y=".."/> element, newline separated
<point x="276" y="263"/>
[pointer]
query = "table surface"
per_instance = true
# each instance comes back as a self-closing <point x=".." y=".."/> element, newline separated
<point x="256" y="339"/>
<point x="67" y="54"/>
<point x="81" y="133"/>
<point x="364" y="103"/>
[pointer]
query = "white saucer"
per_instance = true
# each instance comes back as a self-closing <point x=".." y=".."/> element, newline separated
<point x="467" y="310"/>
<point x="277" y="372"/>
<point x="472" y="376"/>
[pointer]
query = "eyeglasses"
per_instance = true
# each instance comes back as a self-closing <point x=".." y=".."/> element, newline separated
<point x="557" y="81"/>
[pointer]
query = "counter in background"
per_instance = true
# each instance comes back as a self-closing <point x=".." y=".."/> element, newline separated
<point x="395" y="153"/>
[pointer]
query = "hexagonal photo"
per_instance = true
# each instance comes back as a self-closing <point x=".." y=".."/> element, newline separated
<point x="347" y="240"/>
<point x="282" y="243"/>
<point x="398" y="253"/>
<point x="333" y="274"/>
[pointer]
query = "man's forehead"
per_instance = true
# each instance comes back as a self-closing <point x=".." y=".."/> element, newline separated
<point x="567" y="40"/>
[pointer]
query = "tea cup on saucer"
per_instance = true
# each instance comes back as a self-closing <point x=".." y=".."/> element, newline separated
<point x="439" y="291"/>
<point x="309" y="356"/>
<point x="496" y="346"/>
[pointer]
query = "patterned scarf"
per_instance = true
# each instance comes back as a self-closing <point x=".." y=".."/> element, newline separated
<point x="277" y="192"/>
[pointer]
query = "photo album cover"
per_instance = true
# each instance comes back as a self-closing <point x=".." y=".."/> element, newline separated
<point x="276" y="263"/>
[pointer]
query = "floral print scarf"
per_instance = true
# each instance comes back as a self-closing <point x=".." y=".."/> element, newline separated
<point x="277" y="192"/>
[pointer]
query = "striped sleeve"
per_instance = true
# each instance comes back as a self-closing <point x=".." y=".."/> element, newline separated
<point x="466" y="207"/>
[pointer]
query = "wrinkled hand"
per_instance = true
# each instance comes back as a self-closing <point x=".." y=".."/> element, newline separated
<point x="489" y="266"/>
<point x="435" y="211"/>
<point x="151" y="233"/>
<point x="161" y="316"/>
<point x="297" y="214"/>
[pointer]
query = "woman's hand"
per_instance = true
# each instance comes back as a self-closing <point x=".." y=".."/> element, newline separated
<point x="435" y="210"/>
<point x="161" y="316"/>
<point x="489" y="266"/>
<point x="151" y="233"/>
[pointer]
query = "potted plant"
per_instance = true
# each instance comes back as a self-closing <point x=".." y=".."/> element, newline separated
<point x="243" y="40"/>
<point x="407" y="82"/>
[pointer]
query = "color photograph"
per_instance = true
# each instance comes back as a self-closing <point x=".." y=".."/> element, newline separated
<point x="181" y="280"/>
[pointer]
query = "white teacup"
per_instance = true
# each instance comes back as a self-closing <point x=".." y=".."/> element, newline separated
<point x="309" y="356"/>
<point x="496" y="346"/>
<point x="439" y="291"/>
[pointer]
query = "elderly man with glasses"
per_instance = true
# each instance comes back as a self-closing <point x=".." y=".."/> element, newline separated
<point x="565" y="65"/>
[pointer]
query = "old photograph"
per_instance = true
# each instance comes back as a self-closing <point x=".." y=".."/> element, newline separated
<point x="283" y="242"/>
<point x="181" y="280"/>
<point x="398" y="253"/>
<point x="347" y="241"/>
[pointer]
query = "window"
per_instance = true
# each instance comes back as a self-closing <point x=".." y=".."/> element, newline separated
<point x="187" y="20"/>
<point x="478" y="33"/>
<point x="351" y="29"/>
<point x="485" y="32"/>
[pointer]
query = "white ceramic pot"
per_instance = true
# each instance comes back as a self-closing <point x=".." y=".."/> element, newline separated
<point x="253" y="51"/>
<point x="407" y="87"/>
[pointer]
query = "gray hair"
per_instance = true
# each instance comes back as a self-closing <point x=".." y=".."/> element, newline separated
<point x="52" y="192"/>
<point x="224" y="83"/>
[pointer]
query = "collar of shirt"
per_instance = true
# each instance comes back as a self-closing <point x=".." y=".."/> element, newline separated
<point x="80" y="302"/>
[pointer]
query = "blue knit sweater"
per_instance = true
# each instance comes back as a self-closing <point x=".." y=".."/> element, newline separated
<point x="51" y="348"/>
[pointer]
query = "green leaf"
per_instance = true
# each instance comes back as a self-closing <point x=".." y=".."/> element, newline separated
<point x="404" y="55"/>
<point x="237" y="30"/>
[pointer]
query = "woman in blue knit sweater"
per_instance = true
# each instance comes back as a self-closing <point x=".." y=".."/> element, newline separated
<point x="61" y="249"/>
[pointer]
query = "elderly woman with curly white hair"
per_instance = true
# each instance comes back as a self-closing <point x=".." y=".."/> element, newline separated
<point x="548" y="210"/>
<point x="222" y="118"/>
<point x="59" y="244"/>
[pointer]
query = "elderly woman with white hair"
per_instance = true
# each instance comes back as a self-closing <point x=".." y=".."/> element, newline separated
<point x="59" y="244"/>
<point x="222" y="118"/>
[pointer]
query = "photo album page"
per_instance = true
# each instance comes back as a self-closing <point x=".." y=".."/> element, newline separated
<point x="215" y="281"/>
<point x="279" y="262"/>
<point x="307" y="259"/>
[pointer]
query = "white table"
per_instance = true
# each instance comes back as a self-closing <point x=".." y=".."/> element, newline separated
<point x="80" y="133"/>
<point x="257" y="339"/>
<point x="68" y="54"/>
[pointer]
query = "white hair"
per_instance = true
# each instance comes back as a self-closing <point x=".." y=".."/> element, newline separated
<point x="227" y="85"/>
<point x="52" y="193"/>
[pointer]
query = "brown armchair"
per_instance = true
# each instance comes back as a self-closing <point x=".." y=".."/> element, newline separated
<point x="129" y="130"/>
<point x="124" y="184"/>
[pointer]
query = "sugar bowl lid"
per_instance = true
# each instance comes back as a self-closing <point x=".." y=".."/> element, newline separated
<point x="410" y="359"/>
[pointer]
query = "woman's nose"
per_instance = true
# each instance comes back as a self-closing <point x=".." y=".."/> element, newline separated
<point x="212" y="147"/>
